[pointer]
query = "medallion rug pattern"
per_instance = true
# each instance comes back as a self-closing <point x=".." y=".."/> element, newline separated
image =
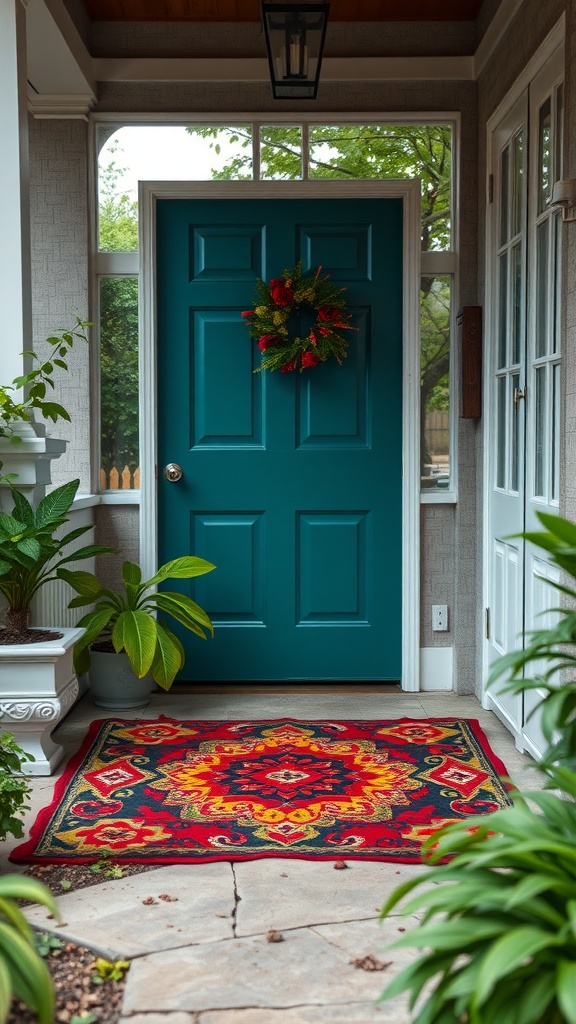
<point x="171" y="791"/>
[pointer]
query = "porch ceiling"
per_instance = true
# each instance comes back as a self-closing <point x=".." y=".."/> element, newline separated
<point x="249" y="10"/>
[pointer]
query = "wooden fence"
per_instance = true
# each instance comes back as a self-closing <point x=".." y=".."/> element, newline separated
<point x="115" y="480"/>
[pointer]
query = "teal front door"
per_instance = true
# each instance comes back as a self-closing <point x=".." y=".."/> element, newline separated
<point x="292" y="483"/>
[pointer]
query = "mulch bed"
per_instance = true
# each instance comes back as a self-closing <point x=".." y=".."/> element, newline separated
<point x="78" y="996"/>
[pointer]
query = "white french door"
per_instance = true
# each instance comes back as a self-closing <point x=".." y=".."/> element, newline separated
<point x="524" y="366"/>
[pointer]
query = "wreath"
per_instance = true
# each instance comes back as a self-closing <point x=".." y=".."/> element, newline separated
<point x="273" y="321"/>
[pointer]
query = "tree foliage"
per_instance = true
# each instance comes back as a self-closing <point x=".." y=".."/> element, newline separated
<point x="118" y="226"/>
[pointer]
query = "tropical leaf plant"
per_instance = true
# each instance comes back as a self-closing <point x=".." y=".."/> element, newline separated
<point x="23" y="973"/>
<point x="498" y="931"/>
<point x="129" y="620"/>
<point x="31" y="553"/>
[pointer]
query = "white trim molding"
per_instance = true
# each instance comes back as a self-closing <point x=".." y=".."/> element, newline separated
<point x="409" y="192"/>
<point x="255" y="69"/>
<point x="436" y="668"/>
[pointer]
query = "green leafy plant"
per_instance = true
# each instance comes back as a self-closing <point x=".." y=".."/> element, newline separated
<point x="110" y="970"/>
<point x="89" y="1018"/>
<point x="498" y="932"/>
<point x="23" y="973"/>
<point x="128" y="619"/>
<point x="31" y="554"/>
<point x="14" y="790"/>
<point x="108" y="869"/>
<point x="47" y="945"/>
<point x="500" y="936"/>
<point x="37" y="382"/>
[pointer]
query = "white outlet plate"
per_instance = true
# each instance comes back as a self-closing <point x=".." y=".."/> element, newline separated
<point x="439" y="618"/>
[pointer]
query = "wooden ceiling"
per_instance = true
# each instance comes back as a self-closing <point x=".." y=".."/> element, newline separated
<point x="249" y="10"/>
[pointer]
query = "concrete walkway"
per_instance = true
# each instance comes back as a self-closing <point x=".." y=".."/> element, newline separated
<point x="271" y="941"/>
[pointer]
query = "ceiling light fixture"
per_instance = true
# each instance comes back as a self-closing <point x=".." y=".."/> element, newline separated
<point x="295" y="34"/>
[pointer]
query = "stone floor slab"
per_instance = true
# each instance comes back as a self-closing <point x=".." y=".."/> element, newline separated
<point x="307" y="968"/>
<point x="160" y="1018"/>
<point x="395" y="1012"/>
<point x="296" y="893"/>
<point x="117" y="918"/>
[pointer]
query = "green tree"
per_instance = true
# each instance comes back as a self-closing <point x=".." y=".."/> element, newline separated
<point x="119" y="373"/>
<point x="350" y="151"/>
<point x="118" y="232"/>
<point x="117" y="211"/>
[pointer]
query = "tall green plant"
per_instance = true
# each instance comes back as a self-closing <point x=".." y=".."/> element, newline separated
<point x="499" y="922"/>
<point x="23" y="973"/>
<point x="31" y="554"/>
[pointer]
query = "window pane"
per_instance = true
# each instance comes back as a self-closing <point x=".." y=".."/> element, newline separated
<point x="503" y="311"/>
<point x="517" y="308"/>
<point x="119" y="449"/>
<point x="160" y="153"/>
<point x="281" y="153"/>
<point x="544" y="156"/>
<point x="518" y="184"/>
<point x="540" y="434"/>
<point x="501" y="432"/>
<point x="542" y="290"/>
<point x="435" y="382"/>
<point x="515" y="435"/>
<point x="558" y="170"/>
<point x="392" y="151"/>
<point x="504" y="195"/>
<point x="556" y="432"/>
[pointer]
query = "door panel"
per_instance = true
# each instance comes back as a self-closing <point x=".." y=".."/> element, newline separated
<point x="525" y="377"/>
<point x="292" y="483"/>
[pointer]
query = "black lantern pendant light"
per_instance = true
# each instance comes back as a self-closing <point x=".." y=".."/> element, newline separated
<point x="295" y="35"/>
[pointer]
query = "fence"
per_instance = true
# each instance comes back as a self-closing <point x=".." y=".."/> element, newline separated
<point x="114" y="480"/>
<point x="438" y="432"/>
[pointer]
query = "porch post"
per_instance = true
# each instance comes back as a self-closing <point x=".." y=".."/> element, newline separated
<point x="15" y="267"/>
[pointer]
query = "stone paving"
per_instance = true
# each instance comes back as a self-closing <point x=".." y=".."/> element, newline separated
<point x="200" y="946"/>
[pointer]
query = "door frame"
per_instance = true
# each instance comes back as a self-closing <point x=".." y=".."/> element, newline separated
<point x="407" y="190"/>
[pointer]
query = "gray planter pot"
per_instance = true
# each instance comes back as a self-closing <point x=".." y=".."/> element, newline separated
<point x="114" y="685"/>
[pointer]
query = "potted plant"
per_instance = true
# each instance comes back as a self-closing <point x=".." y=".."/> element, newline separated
<point x="37" y="679"/>
<point x="499" y="922"/>
<point x="23" y="448"/>
<point x="124" y="645"/>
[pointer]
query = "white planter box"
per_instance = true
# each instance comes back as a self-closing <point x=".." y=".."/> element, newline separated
<point x="38" y="686"/>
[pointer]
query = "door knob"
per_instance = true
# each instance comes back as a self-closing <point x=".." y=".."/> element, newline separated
<point x="173" y="472"/>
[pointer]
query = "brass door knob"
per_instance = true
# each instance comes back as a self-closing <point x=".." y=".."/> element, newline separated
<point x="173" y="472"/>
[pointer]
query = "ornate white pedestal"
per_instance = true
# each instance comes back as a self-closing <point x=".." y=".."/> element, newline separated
<point x="38" y="686"/>
<point x="30" y="460"/>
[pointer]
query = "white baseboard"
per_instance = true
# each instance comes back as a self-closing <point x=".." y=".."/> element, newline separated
<point x="436" y="668"/>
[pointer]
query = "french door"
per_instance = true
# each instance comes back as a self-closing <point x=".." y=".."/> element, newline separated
<point x="524" y="367"/>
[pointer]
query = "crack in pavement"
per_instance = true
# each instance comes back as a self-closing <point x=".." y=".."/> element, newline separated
<point x="237" y="898"/>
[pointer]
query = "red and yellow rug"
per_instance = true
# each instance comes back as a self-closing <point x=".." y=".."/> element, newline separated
<point x="167" y="791"/>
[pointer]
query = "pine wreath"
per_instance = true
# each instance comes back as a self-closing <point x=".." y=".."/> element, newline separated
<point x="269" y="321"/>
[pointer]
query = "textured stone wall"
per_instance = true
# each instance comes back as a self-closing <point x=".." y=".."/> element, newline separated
<point x="59" y="235"/>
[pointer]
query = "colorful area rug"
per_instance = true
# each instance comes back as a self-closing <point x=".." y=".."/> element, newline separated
<point x="167" y="792"/>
